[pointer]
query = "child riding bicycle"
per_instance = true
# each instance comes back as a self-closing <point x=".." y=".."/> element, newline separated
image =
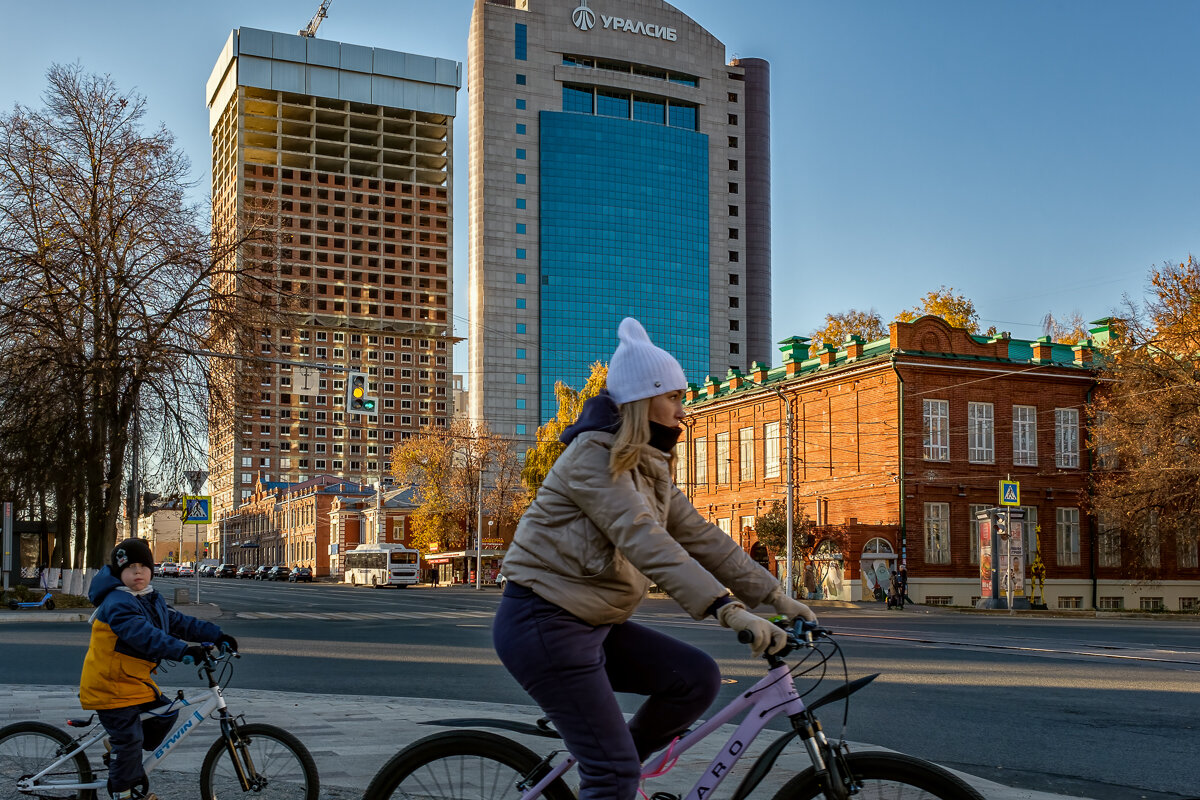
<point x="607" y="521"/>
<point x="133" y="629"/>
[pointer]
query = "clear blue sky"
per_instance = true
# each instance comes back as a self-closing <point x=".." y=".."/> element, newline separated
<point x="1037" y="155"/>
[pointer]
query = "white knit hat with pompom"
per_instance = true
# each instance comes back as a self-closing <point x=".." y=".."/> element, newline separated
<point x="639" y="369"/>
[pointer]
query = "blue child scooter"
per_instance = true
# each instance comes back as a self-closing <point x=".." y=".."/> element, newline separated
<point x="47" y="602"/>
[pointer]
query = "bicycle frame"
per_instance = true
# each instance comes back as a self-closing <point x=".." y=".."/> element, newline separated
<point x="199" y="707"/>
<point x="772" y="696"/>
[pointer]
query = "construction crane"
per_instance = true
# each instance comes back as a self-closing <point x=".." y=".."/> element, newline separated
<point x="310" y="30"/>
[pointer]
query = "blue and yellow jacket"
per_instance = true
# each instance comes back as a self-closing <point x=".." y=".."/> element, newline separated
<point x="130" y="635"/>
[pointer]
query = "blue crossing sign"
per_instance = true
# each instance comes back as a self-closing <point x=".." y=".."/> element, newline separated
<point x="1010" y="493"/>
<point x="197" y="509"/>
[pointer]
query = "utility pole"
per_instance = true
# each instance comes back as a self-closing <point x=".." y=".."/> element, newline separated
<point x="790" y="587"/>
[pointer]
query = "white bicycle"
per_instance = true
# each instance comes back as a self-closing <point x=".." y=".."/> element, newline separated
<point x="42" y="761"/>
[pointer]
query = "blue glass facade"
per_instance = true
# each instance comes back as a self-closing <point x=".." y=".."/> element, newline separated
<point x="624" y="232"/>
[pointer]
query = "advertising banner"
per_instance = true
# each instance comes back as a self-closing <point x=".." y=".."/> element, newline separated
<point x="985" y="558"/>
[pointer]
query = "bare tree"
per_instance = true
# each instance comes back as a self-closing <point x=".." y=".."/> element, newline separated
<point x="111" y="288"/>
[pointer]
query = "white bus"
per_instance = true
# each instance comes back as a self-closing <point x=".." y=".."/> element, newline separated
<point x="382" y="565"/>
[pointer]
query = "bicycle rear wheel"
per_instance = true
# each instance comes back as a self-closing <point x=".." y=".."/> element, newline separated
<point x="460" y="765"/>
<point x="29" y="747"/>
<point x="278" y="766"/>
<point x="887" y="776"/>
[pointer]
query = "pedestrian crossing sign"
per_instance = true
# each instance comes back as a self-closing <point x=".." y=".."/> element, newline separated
<point x="197" y="510"/>
<point x="1010" y="493"/>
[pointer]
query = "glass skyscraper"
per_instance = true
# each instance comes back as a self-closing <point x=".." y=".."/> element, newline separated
<point x="619" y="167"/>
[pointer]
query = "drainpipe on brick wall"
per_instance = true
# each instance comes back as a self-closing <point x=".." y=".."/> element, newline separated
<point x="900" y="460"/>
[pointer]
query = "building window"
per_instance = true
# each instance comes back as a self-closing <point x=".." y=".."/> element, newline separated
<point x="520" y="430"/>
<point x="937" y="533"/>
<point x="726" y="526"/>
<point x="1024" y="436"/>
<point x="981" y="429"/>
<point x="649" y="109"/>
<point x="1067" y="525"/>
<point x="578" y="99"/>
<point x="1066" y="437"/>
<point x="521" y="128"/>
<point x="681" y="116"/>
<point x="520" y="79"/>
<point x="520" y="252"/>
<point x="771" y="450"/>
<point x="936" y="415"/>
<point x="520" y="277"/>
<point x="520" y="302"/>
<point x="520" y="202"/>
<point x="722" y="458"/>
<point x="520" y="352"/>
<point x="611" y="103"/>
<point x="521" y="178"/>
<point x="680" y="463"/>
<point x="520" y="103"/>
<point x="1186" y="546"/>
<point x="520" y="377"/>
<point x="521" y="228"/>
<point x="521" y="402"/>
<point x="746" y="454"/>
<point x="1108" y="540"/>
<point x="520" y="49"/>
<point x="1028" y="528"/>
<point x="520" y="327"/>
<point x="974" y="543"/>
<point x="701" y="448"/>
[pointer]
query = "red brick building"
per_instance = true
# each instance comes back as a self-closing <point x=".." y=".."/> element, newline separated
<point x="898" y="443"/>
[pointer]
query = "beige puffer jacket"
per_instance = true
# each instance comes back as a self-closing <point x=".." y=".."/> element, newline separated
<point x="592" y="545"/>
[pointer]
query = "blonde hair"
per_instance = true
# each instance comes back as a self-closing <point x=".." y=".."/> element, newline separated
<point x="632" y="438"/>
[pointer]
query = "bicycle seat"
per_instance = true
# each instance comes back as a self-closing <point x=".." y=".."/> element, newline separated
<point x="80" y="723"/>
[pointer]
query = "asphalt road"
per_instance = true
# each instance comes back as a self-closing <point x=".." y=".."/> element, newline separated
<point x="1102" y="708"/>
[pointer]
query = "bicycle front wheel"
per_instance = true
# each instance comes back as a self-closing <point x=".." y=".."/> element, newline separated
<point x="27" y="748"/>
<point x="460" y="765"/>
<point x="275" y="763"/>
<point x="886" y="776"/>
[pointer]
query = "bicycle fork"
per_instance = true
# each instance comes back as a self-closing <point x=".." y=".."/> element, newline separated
<point x="828" y="761"/>
<point x="239" y="754"/>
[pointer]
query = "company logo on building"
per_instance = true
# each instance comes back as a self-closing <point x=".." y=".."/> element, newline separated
<point x="585" y="19"/>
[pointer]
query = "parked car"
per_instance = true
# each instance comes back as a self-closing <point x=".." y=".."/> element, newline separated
<point x="170" y="569"/>
<point x="278" y="574"/>
<point x="246" y="571"/>
<point x="300" y="574"/>
<point x="186" y="570"/>
<point x="261" y="572"/>
<point x="227" y="571"/>
<point x="208" y="571"/>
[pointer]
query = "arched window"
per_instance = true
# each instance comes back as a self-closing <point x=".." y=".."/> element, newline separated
<point x="876" y="546"/>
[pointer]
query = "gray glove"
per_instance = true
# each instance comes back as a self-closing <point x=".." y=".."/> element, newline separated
<point x="790" y="607"/>
<point x="768" y="638"/>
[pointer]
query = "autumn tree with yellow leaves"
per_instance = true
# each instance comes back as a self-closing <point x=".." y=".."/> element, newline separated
<point x="958" y="310"/>
<point x="541" y="457"/>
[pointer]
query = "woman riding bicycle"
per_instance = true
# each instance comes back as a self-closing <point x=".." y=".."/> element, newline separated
<point x="608" y="521"/>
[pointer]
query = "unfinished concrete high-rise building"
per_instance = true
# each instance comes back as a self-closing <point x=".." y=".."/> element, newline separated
<point x="346" y="150"/>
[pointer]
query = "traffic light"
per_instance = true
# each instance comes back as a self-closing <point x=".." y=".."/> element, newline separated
<point x="358" y="398"/>
<point x="1002" y="525"/>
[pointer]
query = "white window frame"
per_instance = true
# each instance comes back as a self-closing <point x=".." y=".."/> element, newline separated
<point x="937" y="533"/>
<point x="1187" y="549"/>
<point x="723" y="470"/>
<point x="746" y="455"/>
<point x="974" y="549"/>
<point x="936" y="416"/>
<point x="1108" y="541"/>
<point x="701" y="461"/>
<point x="681" y="463"/>
<point x="1066" y="523"/>
<point x="1066" y="438"/>
<point x="771" y="461"/>
<point x="981" y="433"/>
<point x="1024" y="436"/>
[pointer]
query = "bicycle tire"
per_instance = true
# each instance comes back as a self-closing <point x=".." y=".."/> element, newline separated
<point x="283" y="767"/>
<point x="886" y="776"/>
<point x="27" y="747"/>
<point x="460" y="765"/>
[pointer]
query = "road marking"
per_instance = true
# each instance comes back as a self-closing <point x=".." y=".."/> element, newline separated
<point x="344" y="616"/>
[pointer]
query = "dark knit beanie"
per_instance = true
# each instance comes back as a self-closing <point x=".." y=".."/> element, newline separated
<point x="130" y="551"/>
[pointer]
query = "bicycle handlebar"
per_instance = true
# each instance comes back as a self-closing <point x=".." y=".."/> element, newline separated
<point x="801" y="633"/>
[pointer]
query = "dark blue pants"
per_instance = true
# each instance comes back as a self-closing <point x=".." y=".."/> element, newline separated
<point x="129" y="737"/>
<point x="572" y="670"/>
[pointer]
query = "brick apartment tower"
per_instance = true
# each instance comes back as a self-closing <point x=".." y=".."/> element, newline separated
<point x="350" y="148"/>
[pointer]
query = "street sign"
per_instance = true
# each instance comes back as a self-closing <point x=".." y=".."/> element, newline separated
<point x="306" y="380"/>
<point x="195" y="479"/>
<point x="1010" y="493"/>
<point x="197" y="510"/>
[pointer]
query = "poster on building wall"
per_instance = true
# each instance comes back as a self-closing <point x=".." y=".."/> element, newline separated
<point x="985" y="558"/>
<point x="1014" y="568"/>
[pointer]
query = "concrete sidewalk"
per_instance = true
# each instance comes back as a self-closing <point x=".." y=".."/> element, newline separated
<point x="352" y="736"/>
